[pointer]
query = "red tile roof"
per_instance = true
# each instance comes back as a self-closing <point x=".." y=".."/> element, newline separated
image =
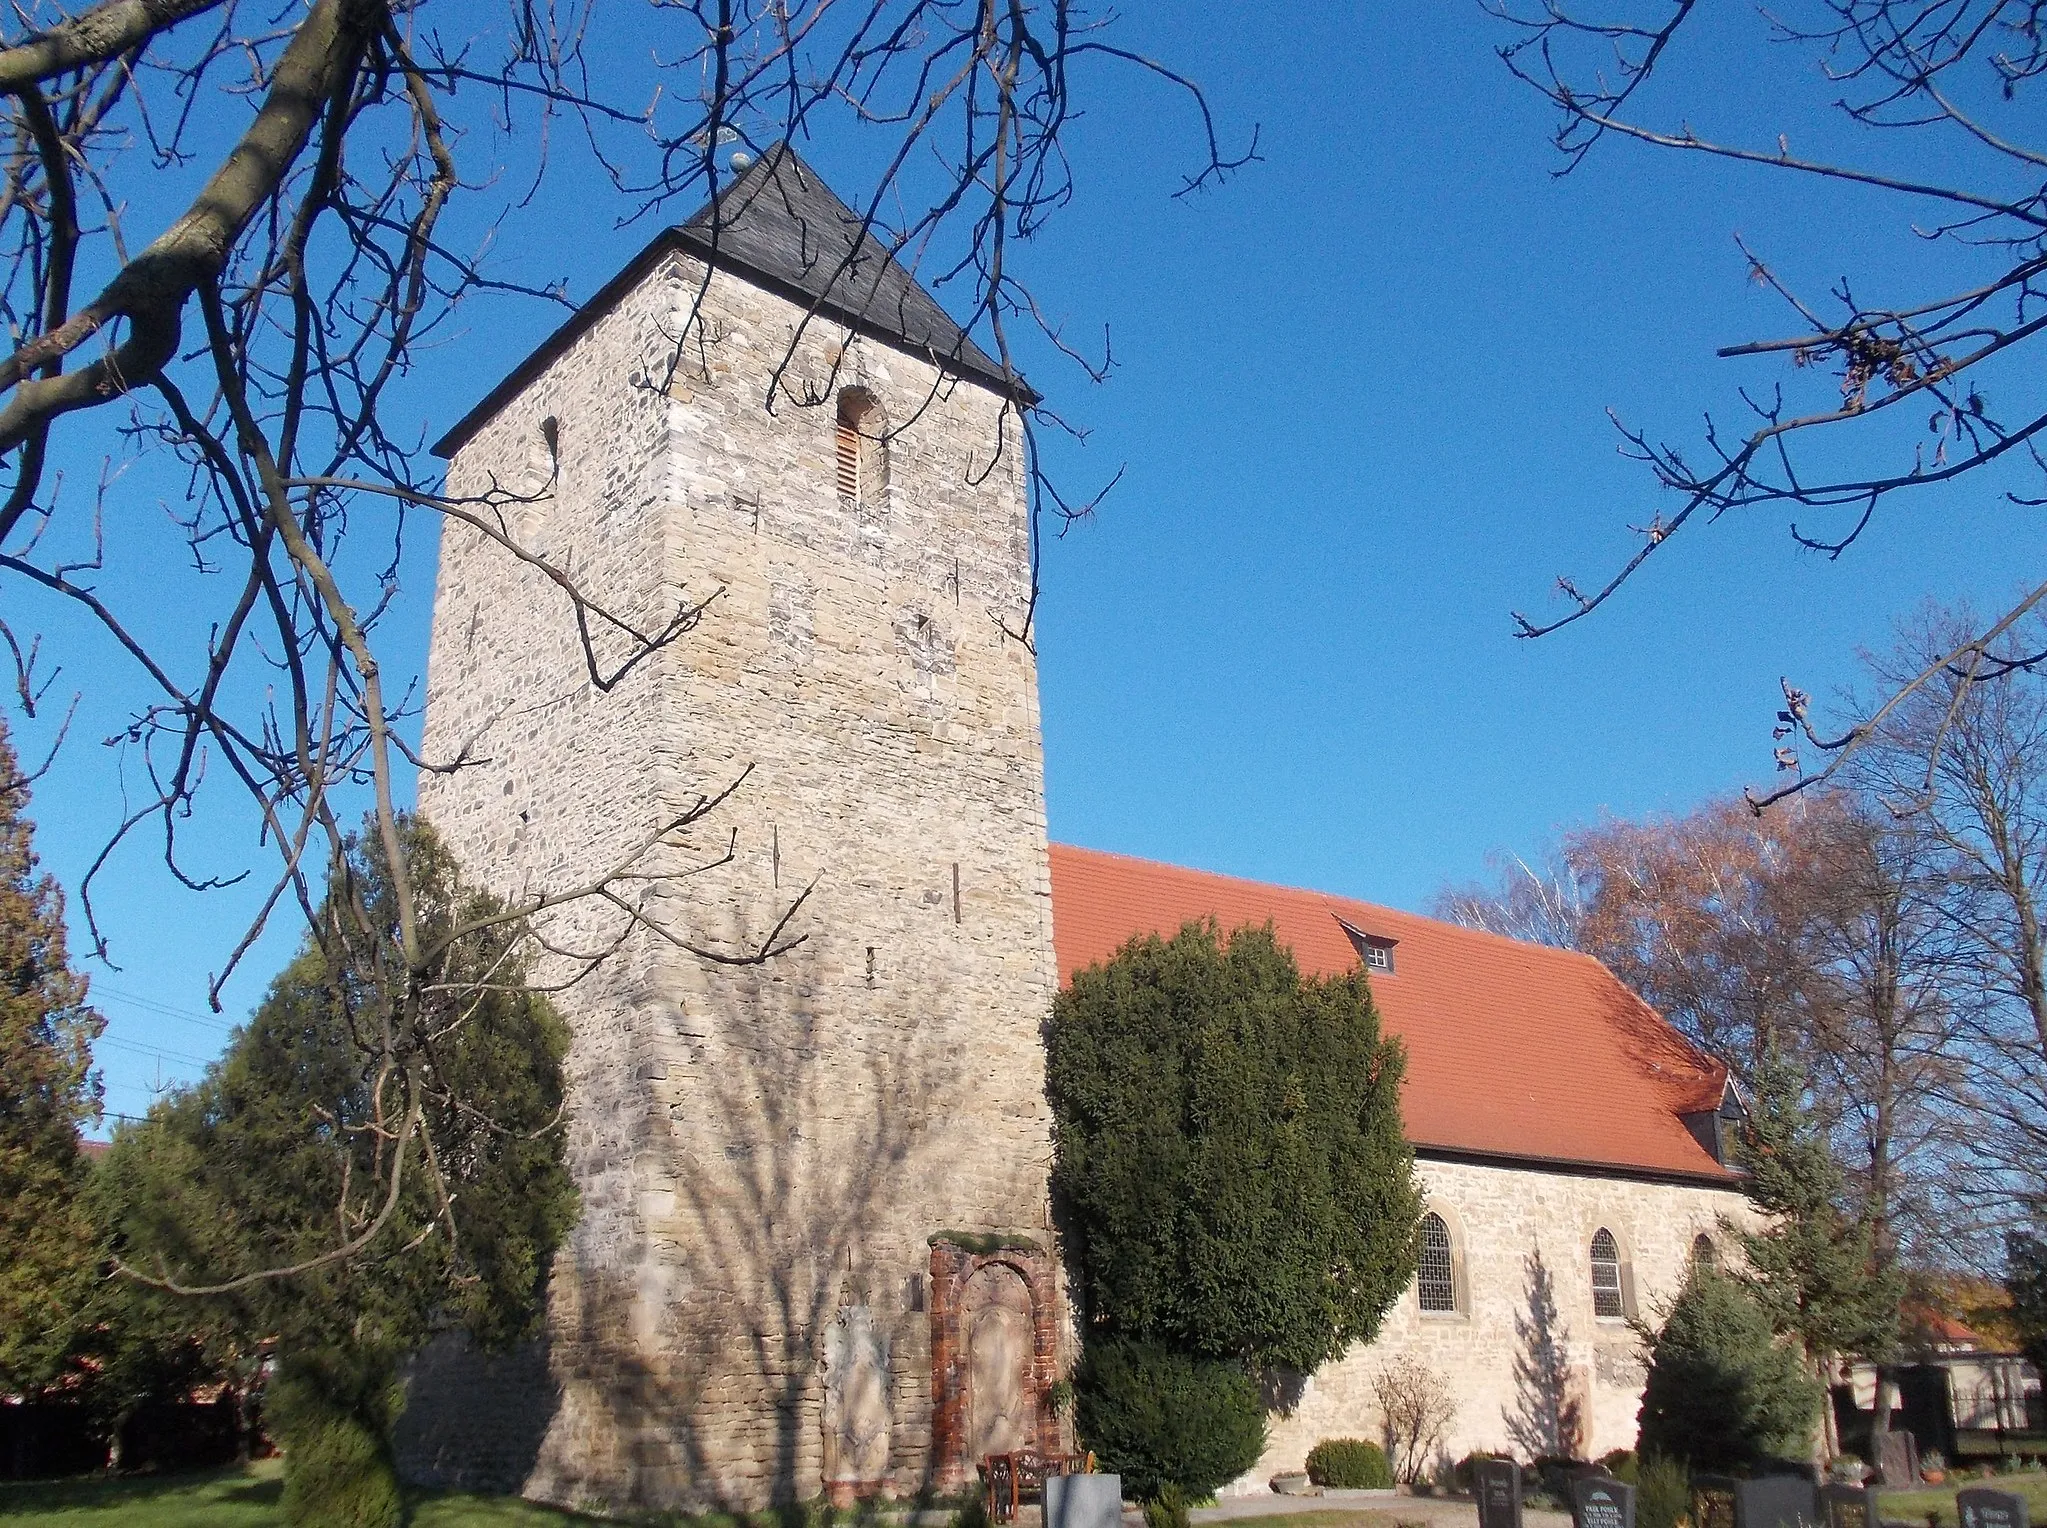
<point x="1513" y="1050"/>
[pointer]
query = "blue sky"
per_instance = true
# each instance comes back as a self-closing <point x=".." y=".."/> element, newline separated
<point x="1360" y="407"/>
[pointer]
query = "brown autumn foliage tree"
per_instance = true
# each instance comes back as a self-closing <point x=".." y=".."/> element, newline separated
<point x="1806" y="932"/>
<point x="47" y="1090"/>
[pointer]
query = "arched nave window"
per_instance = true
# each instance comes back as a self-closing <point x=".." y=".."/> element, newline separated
<point x="1609" y="1299"/>
<point x="1436" y="1282"/>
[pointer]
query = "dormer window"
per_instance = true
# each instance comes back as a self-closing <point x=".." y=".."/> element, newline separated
<point x="1375" y="950"/>
<point x="862" y="447"/>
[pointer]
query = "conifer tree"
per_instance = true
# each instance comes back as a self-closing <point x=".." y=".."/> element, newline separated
<point x="1724" y="1393"/>
<point x="249" y="1170"/>
<point x="47" y="1090"/>
<point x="1813" y="1268"/>
<point x="1230" y="1151"/>
<point x="2025" y="1279"/>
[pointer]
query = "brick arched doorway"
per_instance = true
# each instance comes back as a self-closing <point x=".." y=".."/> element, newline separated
<point x="994" y="1353"/>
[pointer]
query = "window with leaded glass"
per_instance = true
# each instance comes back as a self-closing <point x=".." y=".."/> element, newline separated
<point x="1606" y="1275"/>
<point x="1437" y="1280"/>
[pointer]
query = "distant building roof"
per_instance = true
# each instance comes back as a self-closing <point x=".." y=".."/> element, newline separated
<point x="778" y="225"/>
<point x="1514" y="1051"/>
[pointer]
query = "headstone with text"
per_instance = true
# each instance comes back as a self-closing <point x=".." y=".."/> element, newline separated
<point x="1981" y="1507"/>
<point x="1845" y="1506"/>
<point x="1496" y="1483"/>
<point x="1598" y="1502"/>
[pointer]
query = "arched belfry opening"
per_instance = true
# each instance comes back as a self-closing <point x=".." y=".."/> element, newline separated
<point x="862" y="440"/>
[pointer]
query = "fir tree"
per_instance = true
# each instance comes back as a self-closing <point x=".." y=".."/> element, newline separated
<point x="1724" y="1393"/>
<point x="1229" y="1150"/>
<point x="47" y="1090"/>
<point x="253" y="1168"/>
<point x="1813" y="1268"/>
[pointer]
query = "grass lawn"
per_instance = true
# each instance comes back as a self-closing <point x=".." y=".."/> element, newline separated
<point x="234" y="1499"/>
<point x="1913" y="1506"/>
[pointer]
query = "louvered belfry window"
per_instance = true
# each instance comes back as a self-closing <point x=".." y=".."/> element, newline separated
<point x="1606" y="1276"/>
<point x="1436" y="1283"/>
<point x="862" y="447"/>
<point x="849" y="456"/>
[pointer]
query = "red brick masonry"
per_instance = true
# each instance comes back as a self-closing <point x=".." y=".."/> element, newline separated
<point x="952" y="1265"/>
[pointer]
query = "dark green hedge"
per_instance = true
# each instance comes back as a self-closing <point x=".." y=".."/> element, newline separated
<point x="1159" y="1418"/>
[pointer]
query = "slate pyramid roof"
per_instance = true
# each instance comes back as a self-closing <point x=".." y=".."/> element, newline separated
<point x="778" y="225"/>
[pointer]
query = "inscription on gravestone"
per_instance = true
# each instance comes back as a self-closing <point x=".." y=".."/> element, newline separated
<point x="1497" y="1485"/>
<point x="1597" y="1502"/>
<point x="1980" y="1507"/>
<point x="1850" y="1507"/>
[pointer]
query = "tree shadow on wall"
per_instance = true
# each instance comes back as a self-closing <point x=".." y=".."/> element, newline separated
<point x="692" y="1368"/>
<point x="1547" y="1420"/>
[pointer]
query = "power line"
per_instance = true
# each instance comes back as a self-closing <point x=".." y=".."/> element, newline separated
<point x="152" y="1050"/>
<point x="168" y="1010"/>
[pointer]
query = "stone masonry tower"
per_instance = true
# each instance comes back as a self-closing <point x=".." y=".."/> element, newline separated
<point x="814" y="1249"/>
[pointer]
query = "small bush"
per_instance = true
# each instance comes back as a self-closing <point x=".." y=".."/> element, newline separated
<point x="333" y="1412"/>
<point x="1663" y="1492"/>
<point x="1464" y="1473"/>
<point x="1622" y="1464"/>
<point x="1168" y="1509"/>
<point x="1349" y="1464"/>
<point x="1160" y="1418"/>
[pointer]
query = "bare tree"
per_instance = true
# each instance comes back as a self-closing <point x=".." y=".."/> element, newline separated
<point x="344" y="164"/>
<point x="1874" y="398"/>
<point x="1543" y="902"/>
<point x="1967" y="762"/>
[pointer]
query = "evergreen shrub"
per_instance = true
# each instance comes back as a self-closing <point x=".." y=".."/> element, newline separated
<point x="1168" y="1509"/>
<point x="1160" y="1418"/>
<point x="1349" y="1464"/>
<point x="1663" y="1492"/>
<point x="1723" y="1395"/>
<point x="1230" y="1159"/>
<point x="333" y="1412"/>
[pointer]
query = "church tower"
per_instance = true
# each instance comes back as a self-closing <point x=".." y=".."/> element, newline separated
<point x="814" y="1250"/>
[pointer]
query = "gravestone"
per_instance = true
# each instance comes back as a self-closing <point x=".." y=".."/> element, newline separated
<point x="1777" y="1501"/>
<point x="1981" y="1507"/>
<point x="1897" y="1458"/>
<point x="1597" y="1502"/>
<point x="1846" y="1506"/>
<point x="1496" y="1483"/>
<point x="856" y="1404"/>
<point x="1083" y="1501"/>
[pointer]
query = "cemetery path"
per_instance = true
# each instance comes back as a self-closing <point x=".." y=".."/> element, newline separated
<point x="1390" y="1507"/>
